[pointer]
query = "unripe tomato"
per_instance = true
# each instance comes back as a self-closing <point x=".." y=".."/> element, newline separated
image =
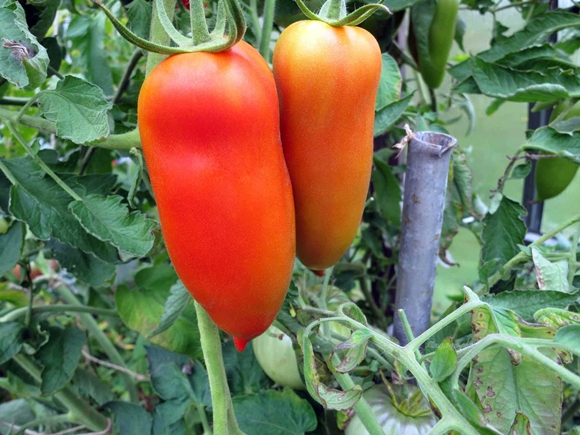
<point x="3" y="226"/>
<point x="327" y="79"/>
<point x="209" y="124"/>
<point x="275" y="354"/>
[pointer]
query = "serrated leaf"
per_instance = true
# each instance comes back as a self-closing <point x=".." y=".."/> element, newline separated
<point x="28" y="72"/>
<point x="78" y="109"/>
<point x="86" y="267"/>
<point x="139" y="17"/>
<point x="550" y="276"/>
<point x="389" y="84"/>
<point x="388" y="115"/>
<point x="444" y="361"/>
<point x="130" y="419"/>
<point x="60" y="357"/>
<point x="92" y="386"/>
<point x="43" y="205"/>
<point x="11" y="244"/>
<point x="243" y="370"/>
<point x="527" y="302"/>
<point x="274" y="413"/>
<point x="10" y="340"/>
<point x="109" y="220"/>
<point x="503" y="231"/>
<point x="176" y="302"/>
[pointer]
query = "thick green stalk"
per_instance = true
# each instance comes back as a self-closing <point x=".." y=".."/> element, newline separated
<point x="108" y="347"/>
<point x="269" y="7"/>
<point x="80" y="410"/>
<point x="20" y="312"/>
<point x="224" y="419"/>
<point x="157" y="34"/>
<point x="51" y="419"/>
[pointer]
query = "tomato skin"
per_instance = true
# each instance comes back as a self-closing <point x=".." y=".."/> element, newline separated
<point x="327" y="79"/>
<point x="209" y="125"/>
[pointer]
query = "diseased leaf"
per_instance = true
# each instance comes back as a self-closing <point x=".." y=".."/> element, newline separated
<point x="527" y="302"/>
<point x="11" y="244"/>
<point x="60" y="357"/>
<point x="274" y="413"/>
<point x="26" y="62"/>
<point x="78" y="109"/>
<point x="109" y="220"/>
<point x="550" y="276"/>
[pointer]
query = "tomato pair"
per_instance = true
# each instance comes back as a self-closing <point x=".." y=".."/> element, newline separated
<point x="212" y="137"/>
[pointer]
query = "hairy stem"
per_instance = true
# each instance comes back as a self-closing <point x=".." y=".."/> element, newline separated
<point x="20" y="312"/>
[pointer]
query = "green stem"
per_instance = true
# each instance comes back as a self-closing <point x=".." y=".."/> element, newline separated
<point x="204" y="421"/>
<point x="7" y="173"/>
<point x="255" y="21"/>
<point x="572" y="260"/>
<point x="19" y="312"/>
<point x="51" y="419"/>
<point x="81" y="412"/>
<point x="268" y="17"/>
<point x="336" y="9"/>
<point x="199" y="30"/>
<point x="124" y="83"/>
<point x="124" y="141"/>
<point x="30" y="121"/>
<point x="370" y="300"/>
<point x="13" y="101"/>
<point x="362" y="408"/>
<point x="24" y="108"/>
<point x="28" y="310"/>
<point x="322" y="302"/>
<point x="41" y="163"/>
<point x="224" y="419"/>
<point x="91" y="324"/>
<point x="409" y="334"/>
<point x="157" y="34"/>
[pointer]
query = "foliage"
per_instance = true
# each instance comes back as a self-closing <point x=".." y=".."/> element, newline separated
<point x="107" y="337"/>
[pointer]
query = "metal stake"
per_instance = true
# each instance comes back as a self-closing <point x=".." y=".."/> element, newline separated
<point x="423" y="206"/>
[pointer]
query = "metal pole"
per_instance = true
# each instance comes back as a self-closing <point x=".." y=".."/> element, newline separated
<point x="423" y="206"/>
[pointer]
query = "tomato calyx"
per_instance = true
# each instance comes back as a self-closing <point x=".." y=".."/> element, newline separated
<point x="229" y="13"/>
<point x="334" y="13"/>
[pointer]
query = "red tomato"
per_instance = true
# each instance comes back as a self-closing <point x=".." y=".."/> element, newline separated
<point x="209" y="124"/>
<point x="327" y="79"/>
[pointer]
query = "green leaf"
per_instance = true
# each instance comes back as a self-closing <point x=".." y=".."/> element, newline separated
<point x="139" y="17"/>
<point x="537" y="58"/>
<point x="37" y="200"/>
<point x="60" y="357"/>
<point x="44" y="13"/>
<point x="274" y="413"/>
<point x="174" y="306"/>
<point x="356" y="348"/>
<point x="387" y="192"/>
<point x="569" y="335"/>
<point x="26" y="70"/>
<point x="10" y="340"/>
<point x="388" y="115"/>
<point x="503" y="231"/>
<point x="130" y="419"/>
<point x="243" y="371"/>
<point x="504" y="388"/>
<point x="78" y="109"/>
<point x="16" y="297"/>
<point x="523" y="86"/>
<point x="550" y="276"/>
<point x="16" y="412"/>
<point x="85" y="267"/>
<point x="92" y="386"/>
<point x="88" y="35"/>
<point x="109" y="220"/>
<point x="527" y="302"/>
<point x="141" y="310"/>
<point x="521" y="171"/>
<point x="390" y="83"/>
<point x="460" y="28"/>
<point x="11" y="244"/>
<point x="444" y="361"/>
<point x="551" y="141"/>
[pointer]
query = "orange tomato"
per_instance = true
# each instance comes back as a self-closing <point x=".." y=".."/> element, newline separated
<point x="327" y="79"/>
<point x="209" y="125"/>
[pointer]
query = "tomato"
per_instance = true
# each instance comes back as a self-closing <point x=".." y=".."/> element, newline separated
<point x="394" y="418"/>
<point x="35" y="271"/>
<point x="275" y="354"/>
<point x="327" y="79"/>
<point x="553" y="175"/>
<point x="3" y="226"/>
<point x="209" y="125"/>
<point x="433" y="62"/>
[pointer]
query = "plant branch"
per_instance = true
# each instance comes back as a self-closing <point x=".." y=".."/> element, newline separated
<point x="255" y="21"/>
<point x="268" y="20"/>
<point x="87" y="320"/>
<point x="19" y="312"/>
<point x="51" y="419"/>
<point x="137" y="376"/>
<point x="224" y="419"/>
<point x="573" y="254"/>
<point x="124" y="83"/>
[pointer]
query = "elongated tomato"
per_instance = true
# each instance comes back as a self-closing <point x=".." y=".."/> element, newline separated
<point x="327" y="79"/>
<point x="209" y="124"/>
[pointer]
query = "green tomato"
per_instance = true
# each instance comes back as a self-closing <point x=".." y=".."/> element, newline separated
<point x="393" y="419"/>
<point x="275" y="354"/>
<point x="3" y="226"/>
<point x="553" y="176"/>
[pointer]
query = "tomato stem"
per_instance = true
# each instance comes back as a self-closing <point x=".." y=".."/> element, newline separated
<point x="199" y="30"/>
<point x="224" y="419"/>
<point x="269" y="7"/>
